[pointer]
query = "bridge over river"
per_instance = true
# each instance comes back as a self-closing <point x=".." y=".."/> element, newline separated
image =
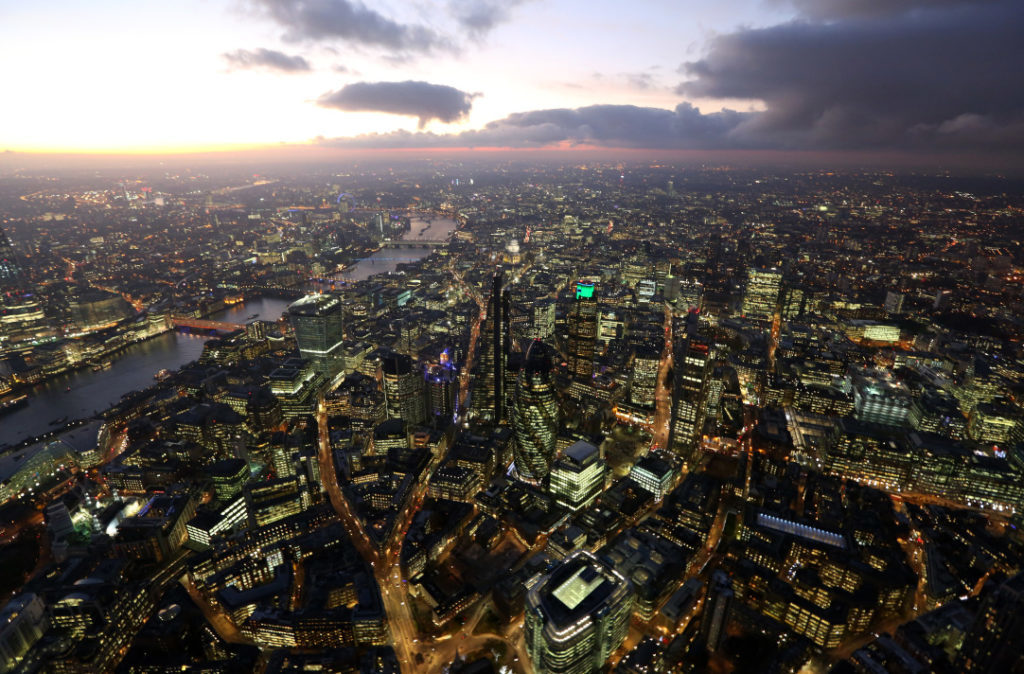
<point x="203" y="324"/>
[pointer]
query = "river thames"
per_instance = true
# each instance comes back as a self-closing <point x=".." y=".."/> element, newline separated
<point x="86" y="393"/>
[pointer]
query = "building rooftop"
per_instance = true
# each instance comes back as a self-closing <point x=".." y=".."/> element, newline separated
<point x="314" y="305"/>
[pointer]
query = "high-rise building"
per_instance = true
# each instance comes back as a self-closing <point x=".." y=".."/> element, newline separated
<point x="273" y="500"/>
<point x="577" y="477"/>
<point x="690" y="399"/>
<point x="542" y="323"/>
<point x="513" y="366"/>
<point x="794" y="302"/>
<point x="716" y="610"/>
<point x="577" y="616"/>
<point x="653" y="474"/>
<point x="610" y="326"/>
<point x="228" y="477"/>
<point x="761" y="295"/>
<point x="489" y="393"/>
<point x="644" y="383"/>
<point x="319" y="323"/>
<point x="442" y="392"/>
<point x="22" y="320"/>
<point x="582" y="327"/>
<point x="993" y="643"/>
<point x="10" y="271"/>
<point x="893" y="302"/>
<point x="404" y="395"/>
<point x="535" y="417"/>
<point x="690" y="295"/>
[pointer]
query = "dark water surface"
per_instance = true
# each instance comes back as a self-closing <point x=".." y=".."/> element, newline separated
<point x="133" y="369"/>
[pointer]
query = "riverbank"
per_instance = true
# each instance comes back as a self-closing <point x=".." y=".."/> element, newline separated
<point x="83" y="393"/>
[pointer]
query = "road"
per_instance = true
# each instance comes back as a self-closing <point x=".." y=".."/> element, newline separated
<point x="329" y="478"/>
<point x="474" y="333"/>
<point x="663" y="393"/>
<point x="405" y="636"/>
<point x="221" y="623"/>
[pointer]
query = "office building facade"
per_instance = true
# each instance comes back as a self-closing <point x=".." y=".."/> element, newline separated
<point x="578" y="476"/>
<point x="582" y="328"/>
<point x="318" y="322"/>
<point x="761" y="295"/>
<point x="691" y="393"/>
<point x="535" y="415"/>
<point x="489" y="392"/>
<point x="404" y="394"/>
<point x="577" y="616"/>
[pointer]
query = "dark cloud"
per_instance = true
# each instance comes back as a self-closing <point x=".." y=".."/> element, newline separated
<point x="479" y="17"/>
<point x="847" y="9"/>
<point x="266" y="58"/>
<point x="349" y="21"/>
<point x="930" y="77"/>
<point x="922" y="76"/>
<point x="415" y="99"/>
<point x="620" y="126"/>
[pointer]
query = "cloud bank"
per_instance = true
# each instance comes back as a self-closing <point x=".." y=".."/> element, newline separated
<point x="875" y="75"/>
<point x="916" y="77"/>
<point x="422" y="100"/>
<point x="351" y="22"/>
<point x="619" y="126"/>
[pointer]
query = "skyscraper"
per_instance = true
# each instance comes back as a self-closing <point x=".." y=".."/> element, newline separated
<point x="404" y="396"/>
<point x="576" y="616"/>
<point x="442" y="392"/>
<point x="582" y="326"/>
<point x="761" y="295"/>
<point x="578" y="476"/>
<point x="542" y="324"/>
<point x="10" y="271"/>
<point x="690" y="399"/>
<point x="22" y="320"/>
<point x="318" y="322"/>
<point x="644" y="382"/>
<point x="489" y="396"/>
<point x="535" y="415"/>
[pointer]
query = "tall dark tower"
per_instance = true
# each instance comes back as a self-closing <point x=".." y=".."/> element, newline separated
<point x="582" y="325"/>
<point x="690" y="397"/>
<point x="502" y="346"/>
<point x="490" y="390"/>
<point x="535" y="418"/>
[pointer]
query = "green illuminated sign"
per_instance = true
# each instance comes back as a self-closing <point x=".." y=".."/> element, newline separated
<point x="584" y="290"/>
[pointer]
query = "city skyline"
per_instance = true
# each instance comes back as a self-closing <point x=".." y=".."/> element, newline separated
<point x="902" y="82"/>
<point x="523" y="417"/>
<point x="512" y="336"/>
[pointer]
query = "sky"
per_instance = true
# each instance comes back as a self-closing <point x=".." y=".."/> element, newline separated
<point x="919" y="77"/>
